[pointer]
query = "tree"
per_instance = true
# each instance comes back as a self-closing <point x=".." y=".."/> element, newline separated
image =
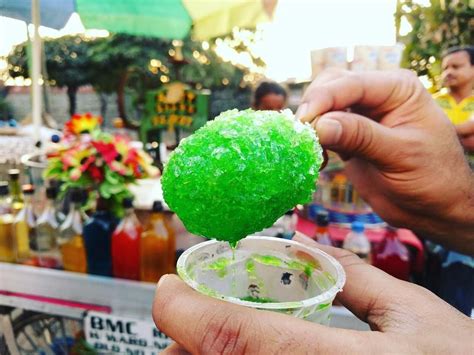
<point x="120" y="62"/>
<point x="434" y="28"/>
<point x="67" y="65"/>
<point x="66" y="60"/>
<point x="131" y="65"/>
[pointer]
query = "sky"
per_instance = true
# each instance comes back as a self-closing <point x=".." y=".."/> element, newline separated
<point x="298" y="27"/>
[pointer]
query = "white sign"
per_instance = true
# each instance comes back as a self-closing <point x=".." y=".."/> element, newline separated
<point x="111" y="334"/>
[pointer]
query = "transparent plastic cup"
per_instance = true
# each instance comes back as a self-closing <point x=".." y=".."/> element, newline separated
<point x="266" y="273"/>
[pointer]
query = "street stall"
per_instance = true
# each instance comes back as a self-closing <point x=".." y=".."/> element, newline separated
<point x="91" y="216"/>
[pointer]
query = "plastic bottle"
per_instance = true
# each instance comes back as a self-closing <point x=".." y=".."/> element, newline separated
<point x="157" y="246"/>
<point x="15" y="190"/>
<point x="7" y="247"/>
<point x="70" y="240"/>
<point x="126" y="245"/>
<point x="47" y="228"/>
<point x="24" y="227"/>
<point x="392" y="255"/>
<point x="357" y="242"/>
<point x="322" y="231"/>
<point x="97" y="236"/>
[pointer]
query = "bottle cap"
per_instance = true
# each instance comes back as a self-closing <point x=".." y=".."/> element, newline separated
<point x="28" y="189"/>
<point x="157" y="206"/>
<point x="55" y="138"/>
<point x="51" y="193"/>
<point x="3" y="188"/>
<point x="14" y="174"/>
<point x="76" y="195"/>
<point x="322" y="218"/>
<point x="357" y="227"/>
<point x="127" y="202"/>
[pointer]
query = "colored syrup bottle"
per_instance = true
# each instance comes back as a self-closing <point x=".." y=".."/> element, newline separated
<point x="46" y="248"/>
<point x="392" y="255"/>
<point x="98" y="240"/>
<point x="126" y="245"/>
<point x="15" y="190"/>
<point x="7" y="246"/>
<point x="24" y="227"/>
<point x="70" y="240"/>
<point x="357" y="242"/>
<point x="157" y="246"/>
<point x="322" y="230"/>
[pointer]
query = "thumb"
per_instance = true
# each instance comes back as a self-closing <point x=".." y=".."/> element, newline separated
<point x="355" y="135"/>
<point x="205" y="325"/>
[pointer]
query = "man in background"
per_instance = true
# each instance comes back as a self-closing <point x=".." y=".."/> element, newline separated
<point x="456" y="277"/>
<point x="458" y="101"/>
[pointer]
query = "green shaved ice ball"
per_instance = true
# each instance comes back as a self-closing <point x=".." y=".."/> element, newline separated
<point x="240" y="172"/>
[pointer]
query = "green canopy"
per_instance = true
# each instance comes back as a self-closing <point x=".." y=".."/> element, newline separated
<point x="157" y="18"/>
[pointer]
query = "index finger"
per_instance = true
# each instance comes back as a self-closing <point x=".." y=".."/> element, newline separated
<point x="368" y="289"/>
<point x="343" y="89"/>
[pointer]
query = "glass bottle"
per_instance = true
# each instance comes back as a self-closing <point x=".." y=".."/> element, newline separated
<point x="357" y="242"/>
<point x="322" y="231"/>
<point x="157" y="246"/>
<point x="7" y="247"/>
<point x="98" y="238"/>
<point x="70" y="241"/>
<point x="126" y="245"/>
<point x="24" y="227"/>
<point x="47" y="228"/>
<point x="392" y="255"/>
<point x="15" y="190"/>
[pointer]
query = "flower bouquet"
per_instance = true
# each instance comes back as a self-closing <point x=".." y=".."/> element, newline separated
<point x="99" y="162"/>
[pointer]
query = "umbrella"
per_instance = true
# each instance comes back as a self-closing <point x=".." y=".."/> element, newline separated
<point x="170" y="19"/>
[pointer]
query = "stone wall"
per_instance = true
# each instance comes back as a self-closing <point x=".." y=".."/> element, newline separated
<point x="87" y="101"/>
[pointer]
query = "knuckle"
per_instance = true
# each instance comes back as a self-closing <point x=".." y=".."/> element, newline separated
<point x="407" y="74"/>
<point x="362" y="137"/>
<point x="227" y="335"/>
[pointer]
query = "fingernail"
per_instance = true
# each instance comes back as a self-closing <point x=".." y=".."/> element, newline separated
<point x="301" y="111"/>
<point x="329" y="131"/>
<point x="161" y="281"/>
<point x="325" y="159"/>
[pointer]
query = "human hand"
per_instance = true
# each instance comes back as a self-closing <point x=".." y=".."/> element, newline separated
<point x="465" y="132"/>
<point x="405" y="318"/>
<point x="403" y="155"/>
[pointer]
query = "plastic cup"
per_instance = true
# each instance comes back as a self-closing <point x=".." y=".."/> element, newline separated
<point x="266" y="273"/>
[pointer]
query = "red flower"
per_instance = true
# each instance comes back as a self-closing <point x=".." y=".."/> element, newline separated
<point x="96" y="173"/>
<point x="82" y="123"/>
<point x="85" y="165"/>
<point x="107" y="150"/>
